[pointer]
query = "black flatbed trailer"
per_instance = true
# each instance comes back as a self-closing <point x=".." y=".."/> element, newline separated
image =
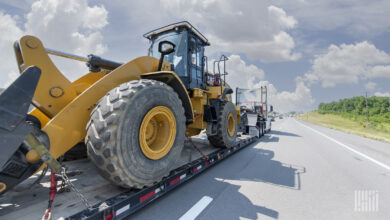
<point x="112" y="202"/>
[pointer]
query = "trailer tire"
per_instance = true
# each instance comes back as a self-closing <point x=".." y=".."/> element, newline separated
<point x="114" y="133"/>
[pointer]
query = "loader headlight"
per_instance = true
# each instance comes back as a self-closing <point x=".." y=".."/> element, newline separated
<point x="166" y="47"/>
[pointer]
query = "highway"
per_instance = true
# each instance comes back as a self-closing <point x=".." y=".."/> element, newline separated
<point x="297" y="171"/>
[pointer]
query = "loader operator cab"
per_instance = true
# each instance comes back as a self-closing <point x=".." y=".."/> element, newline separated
<point x="188" y="58"/>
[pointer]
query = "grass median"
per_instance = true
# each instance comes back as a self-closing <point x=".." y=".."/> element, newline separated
<point x="348" y="125"/>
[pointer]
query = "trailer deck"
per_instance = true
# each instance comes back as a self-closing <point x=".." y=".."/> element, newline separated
<point x="109" y="201"/>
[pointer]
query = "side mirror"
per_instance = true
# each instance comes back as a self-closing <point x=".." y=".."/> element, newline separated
<point x="164" y="47"/>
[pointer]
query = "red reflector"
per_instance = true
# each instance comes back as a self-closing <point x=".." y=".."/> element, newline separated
<point x="109" y="217"/>
<point x="174" y="181"/>
<point x="196" y="169"/>
<point x="207" y="163"/>
<point x="145" y="197"/>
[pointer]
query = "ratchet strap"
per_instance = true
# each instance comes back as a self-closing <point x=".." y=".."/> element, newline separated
<point x="53" y="191"/>
<point x="45" y="155"/>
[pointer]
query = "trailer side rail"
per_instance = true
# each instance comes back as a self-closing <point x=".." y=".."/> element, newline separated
<point x="124" y="204"/>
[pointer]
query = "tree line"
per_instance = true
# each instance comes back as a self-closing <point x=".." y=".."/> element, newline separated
<point x="378" y="108"/>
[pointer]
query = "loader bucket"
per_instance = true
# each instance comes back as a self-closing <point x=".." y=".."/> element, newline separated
<point x="14" y="104"/>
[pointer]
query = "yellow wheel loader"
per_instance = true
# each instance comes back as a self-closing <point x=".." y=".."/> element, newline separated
<point x="133" y="117"/>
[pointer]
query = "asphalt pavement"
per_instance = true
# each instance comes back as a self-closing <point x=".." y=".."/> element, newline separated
<point x="297" y="171"/>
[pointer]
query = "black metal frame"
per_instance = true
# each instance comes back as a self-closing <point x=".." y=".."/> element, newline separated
<point x="124" y="204"/>
<point x="178" y="24"/>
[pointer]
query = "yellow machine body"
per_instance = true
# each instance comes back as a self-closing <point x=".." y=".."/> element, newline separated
<point x="200" y="98"/>
<point x="64" y="107"/>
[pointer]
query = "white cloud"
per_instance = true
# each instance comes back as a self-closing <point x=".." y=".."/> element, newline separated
<point x="349" y="63"/>
<point x="68" y="25"/>
<point x="247" y="76"/>
<point x="242" y="75"/>
<point x="370" y="85"/>
<point x="282" y="18"/>
<point x="254" y="28"/>
<point x="10" y="32"/>
<point x="384" y="94"/>
<point x="285" y="101"/>
<point x="380" y="71"/>
<point x="95" y="17"/>
<point x="276" y="49"/>
<point x="355" y="17"/>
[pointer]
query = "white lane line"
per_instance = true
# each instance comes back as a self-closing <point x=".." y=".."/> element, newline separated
<point x="197" y="208"/>
<point x="349" y="148"/>
<point x="270" y="137"/>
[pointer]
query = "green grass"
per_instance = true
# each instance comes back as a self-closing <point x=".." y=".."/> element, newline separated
<point x="378" y="132"/>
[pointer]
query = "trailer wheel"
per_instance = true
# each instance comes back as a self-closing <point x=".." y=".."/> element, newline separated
<point x="136" y="133"/>
<point x="226" y="127"/>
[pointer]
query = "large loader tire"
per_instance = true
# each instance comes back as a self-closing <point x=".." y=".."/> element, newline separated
<point x="226" y="127"/>
<point x="136" y="133"/>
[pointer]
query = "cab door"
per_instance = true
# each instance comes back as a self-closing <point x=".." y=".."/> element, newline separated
<point x="196" y="51"/>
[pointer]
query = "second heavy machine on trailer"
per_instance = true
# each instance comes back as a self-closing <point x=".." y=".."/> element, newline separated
<point x="253" y="104"/>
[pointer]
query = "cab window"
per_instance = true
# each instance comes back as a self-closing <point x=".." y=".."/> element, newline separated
<point x="177" y="58"/>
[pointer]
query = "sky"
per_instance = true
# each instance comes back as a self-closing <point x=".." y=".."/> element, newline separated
<point x="305" y="52"/>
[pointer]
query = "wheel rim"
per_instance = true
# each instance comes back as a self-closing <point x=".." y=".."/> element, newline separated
<point x="231" y="124"/>
<point x="157" y="132"/>
<point x="2" y="187"/>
